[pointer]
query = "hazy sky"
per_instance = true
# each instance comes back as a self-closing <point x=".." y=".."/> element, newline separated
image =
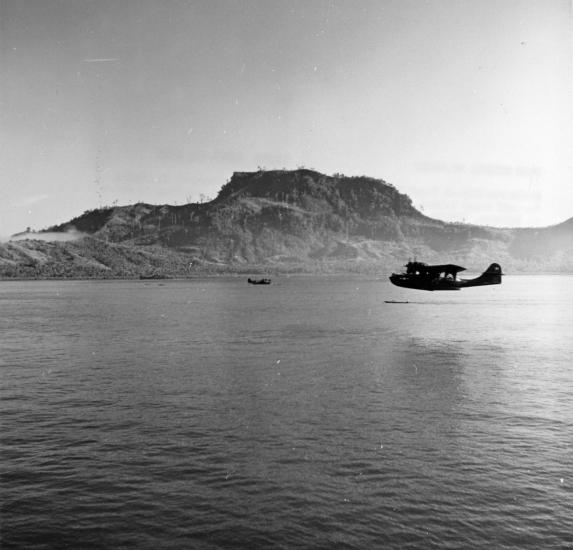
<point x="464" y="105"/>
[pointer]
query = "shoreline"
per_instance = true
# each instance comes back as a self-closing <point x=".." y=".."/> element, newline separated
<point x="238" y="275"/>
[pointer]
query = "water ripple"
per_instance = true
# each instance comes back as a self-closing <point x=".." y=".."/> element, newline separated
<point x="195" y="415"/>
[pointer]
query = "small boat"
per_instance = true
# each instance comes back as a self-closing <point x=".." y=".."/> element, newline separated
<point x="259" y="281"/>
<point x="147" y="276"/>
<point x="395" y="302"/>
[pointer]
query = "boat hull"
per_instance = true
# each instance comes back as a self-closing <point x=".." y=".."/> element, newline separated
<point x="418" y="283"/>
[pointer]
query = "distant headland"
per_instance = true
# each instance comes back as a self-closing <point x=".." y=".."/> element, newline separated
<point x="281" y="221"/>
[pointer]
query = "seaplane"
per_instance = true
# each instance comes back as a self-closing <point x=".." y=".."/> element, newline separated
<point x="421" y="276"/>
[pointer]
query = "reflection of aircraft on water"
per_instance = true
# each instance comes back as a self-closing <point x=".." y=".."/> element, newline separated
<point x="259" y="281"/>
<point x="443" y="277"/>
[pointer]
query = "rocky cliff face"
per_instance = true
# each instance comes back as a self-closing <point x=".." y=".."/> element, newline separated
<point x="287" y="220"/>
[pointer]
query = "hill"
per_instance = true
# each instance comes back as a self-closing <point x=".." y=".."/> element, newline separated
<point x="281" y="220"/>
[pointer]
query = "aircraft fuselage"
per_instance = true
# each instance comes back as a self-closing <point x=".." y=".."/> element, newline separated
<point x="422" y="277"/>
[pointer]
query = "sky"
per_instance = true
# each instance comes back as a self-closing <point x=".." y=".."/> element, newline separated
<point x="465" y="106"/>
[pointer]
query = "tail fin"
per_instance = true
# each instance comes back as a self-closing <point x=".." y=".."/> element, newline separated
<point x="492" y="274"/>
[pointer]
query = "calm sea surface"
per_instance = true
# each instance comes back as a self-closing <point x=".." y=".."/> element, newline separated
<point x="305" y="414"/>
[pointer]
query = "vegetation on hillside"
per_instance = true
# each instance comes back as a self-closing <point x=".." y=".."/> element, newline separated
<point x="281" y="220"/>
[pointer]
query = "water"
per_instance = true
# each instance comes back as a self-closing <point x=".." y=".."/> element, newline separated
<point x="305" y="414"/>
